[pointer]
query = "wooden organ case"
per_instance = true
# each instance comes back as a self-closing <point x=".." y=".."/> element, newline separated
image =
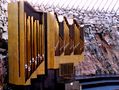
<point x="26" y="44"/>
<point x="40" y="41"/>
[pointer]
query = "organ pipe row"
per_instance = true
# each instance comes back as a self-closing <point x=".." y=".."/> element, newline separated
<point x="34" y="34"/>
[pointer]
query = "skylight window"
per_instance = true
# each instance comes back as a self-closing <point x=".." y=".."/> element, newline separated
<point x="97" y="5"/>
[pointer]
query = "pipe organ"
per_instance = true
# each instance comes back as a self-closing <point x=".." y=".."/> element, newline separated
<point x="39" y="41"/>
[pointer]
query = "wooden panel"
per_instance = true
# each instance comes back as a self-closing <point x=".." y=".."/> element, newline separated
<point x="68" y="59"/>
<point x="13" y="42"/>
<point x="22" y="44"/>
<point x="50" y="40"/>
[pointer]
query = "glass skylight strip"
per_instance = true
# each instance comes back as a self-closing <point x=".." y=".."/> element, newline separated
<point x="102" y="4"/>
<point x="107" y="5"/>
<point x="97" y="5"/>
<point x="110" y="5"/>
<point x="82" y="4"/>
<point x="67" y="4"/>
<point x="102" y="7"/>
<point x="114" y="4"/>
<point x="91" y="7"/>
<point x="72" y="3"/>
<point x="78" y="4"/>
<point x="88" y="5"/>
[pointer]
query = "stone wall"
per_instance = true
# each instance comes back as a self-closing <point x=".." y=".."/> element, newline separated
<point x="4" y="18"/>
<point x="101" y="40"/>
<point x="4" y="28"/>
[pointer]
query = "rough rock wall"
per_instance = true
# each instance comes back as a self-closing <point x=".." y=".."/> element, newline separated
<point x="101" y="40"/>
<point x="4" y="18"/>
<point x="4" y="28"/>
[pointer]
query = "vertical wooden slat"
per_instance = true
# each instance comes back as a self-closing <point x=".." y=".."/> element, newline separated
<point x="32" y="44"/>
<point x="22" y="43"/>
<point x="13" y="42"/>
<point x="38" y="41"/>
<point x="29" y="44"/>
<point x="50" y="40"/>
<point x="43" y="39"/>
<point x="25" y="45"/>
<point x="35" y="45"/>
